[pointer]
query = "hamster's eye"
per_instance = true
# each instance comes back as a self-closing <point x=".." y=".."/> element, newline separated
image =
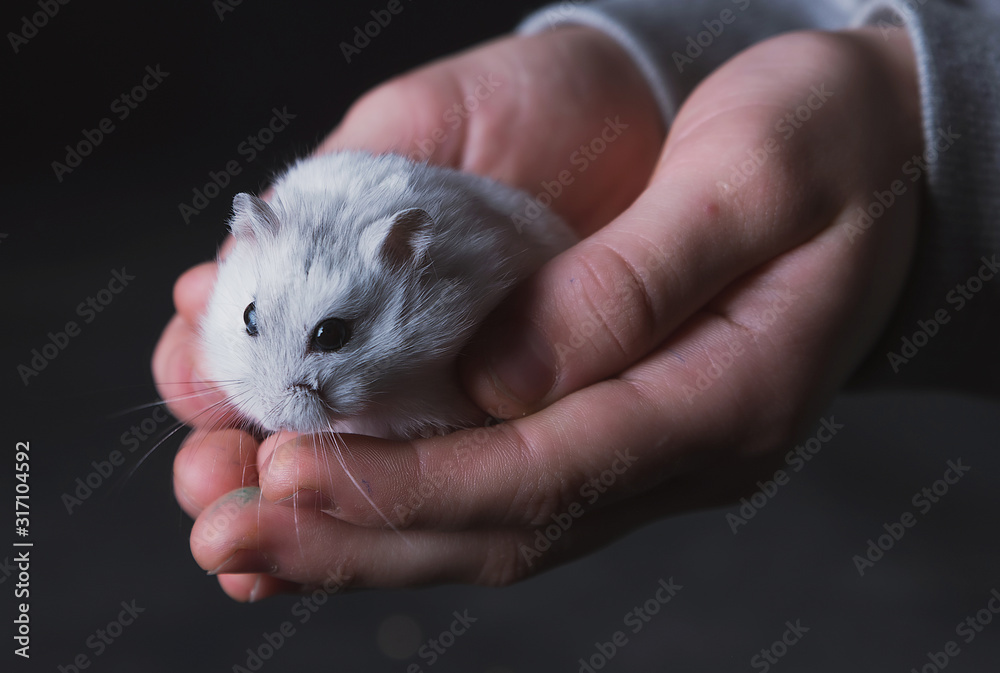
<point x="250" y="318"/>
<point x="331" y="335"/>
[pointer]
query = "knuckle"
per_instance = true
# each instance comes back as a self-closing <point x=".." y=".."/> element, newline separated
<point x="542" y="498"/>
<point x="542" y="487"/>
<point x="786" y="196"/>
<point x="404" y="108"/>
<point x="423" y="495"/>
<point x="357" y="502"/>
<point x="385" y="96"/>
<point x="402" y="515"/>
<point x="614" y="307"/>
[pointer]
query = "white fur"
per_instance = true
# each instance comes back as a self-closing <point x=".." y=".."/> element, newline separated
<point x="318" y="258"/>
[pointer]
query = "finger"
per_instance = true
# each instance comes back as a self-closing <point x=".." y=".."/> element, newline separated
<point x="611" y="298"/>
<point x="176" y="370"/>
<point x="254" y="587"/>
<point x="281" y="547"/>
<point x="177" y="381"/>
<point x="306" y="550"/>
<point x="243" y="533"/>
<point x="190" y="398"/>
<point x="210" y="464"/>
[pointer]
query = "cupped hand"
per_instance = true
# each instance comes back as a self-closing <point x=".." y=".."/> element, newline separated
<point x="653" y="368"/>
<point x="521" y="110"/>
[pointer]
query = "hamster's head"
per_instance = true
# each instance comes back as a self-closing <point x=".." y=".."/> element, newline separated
<point x="316" y="312"/>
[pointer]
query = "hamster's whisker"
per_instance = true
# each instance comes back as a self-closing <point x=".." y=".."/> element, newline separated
<point x="140" y="407"/>
<point x="217" y="423"/>
<point x="214" y="382"/>
<point x="338" y="442"/>
<point x="167" y="400"/>
<point x="326" y="459"/>
<point x="187" y="396"/>
<point x="169" y="432"/>
<point x="178" y="425"/>
<point x="243" y="422"/>
<point x="246" y="464"/>
<point x="204" y="386"/>
<point x="295" y="513"/>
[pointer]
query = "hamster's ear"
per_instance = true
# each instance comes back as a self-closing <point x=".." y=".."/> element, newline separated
<point x="402" y="240"/>
<point x="252" y="217"/>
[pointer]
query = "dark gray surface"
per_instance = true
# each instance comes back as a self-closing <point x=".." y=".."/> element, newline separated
<point x="129" y="541"/>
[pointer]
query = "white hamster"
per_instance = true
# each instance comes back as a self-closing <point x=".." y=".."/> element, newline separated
<point x="347" y="297"/>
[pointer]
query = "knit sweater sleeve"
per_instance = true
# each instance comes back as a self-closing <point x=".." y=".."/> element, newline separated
<point x="945" y="328"/>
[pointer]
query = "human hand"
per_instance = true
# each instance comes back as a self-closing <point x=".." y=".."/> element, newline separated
<point x="523" y="106"/>
<point x="768" y="285"/>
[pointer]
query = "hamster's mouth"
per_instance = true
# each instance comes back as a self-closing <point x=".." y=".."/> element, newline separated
<point x="303" y="409"/>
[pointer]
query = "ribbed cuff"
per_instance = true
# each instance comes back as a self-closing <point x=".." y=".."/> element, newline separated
<point x="663" y="89"/>
<point x="945" y="329"/>
<point x="678" y="44"/>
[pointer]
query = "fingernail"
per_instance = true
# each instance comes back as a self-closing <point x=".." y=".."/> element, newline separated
<point x="523" y="369"/>
<point x="255" y="591"/>
<point x="217" y="569"/>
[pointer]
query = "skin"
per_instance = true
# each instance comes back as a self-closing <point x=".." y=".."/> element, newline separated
<point x="596" y="360"/>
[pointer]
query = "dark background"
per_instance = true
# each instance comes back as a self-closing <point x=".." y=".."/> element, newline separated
<point x="128" y="542"/>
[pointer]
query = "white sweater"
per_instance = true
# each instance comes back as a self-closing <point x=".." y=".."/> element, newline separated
<point x="677" y="43"/>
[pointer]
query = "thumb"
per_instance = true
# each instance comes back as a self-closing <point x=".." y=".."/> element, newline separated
<point x="582" y="317"/>
<point x="604" y="304"/>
